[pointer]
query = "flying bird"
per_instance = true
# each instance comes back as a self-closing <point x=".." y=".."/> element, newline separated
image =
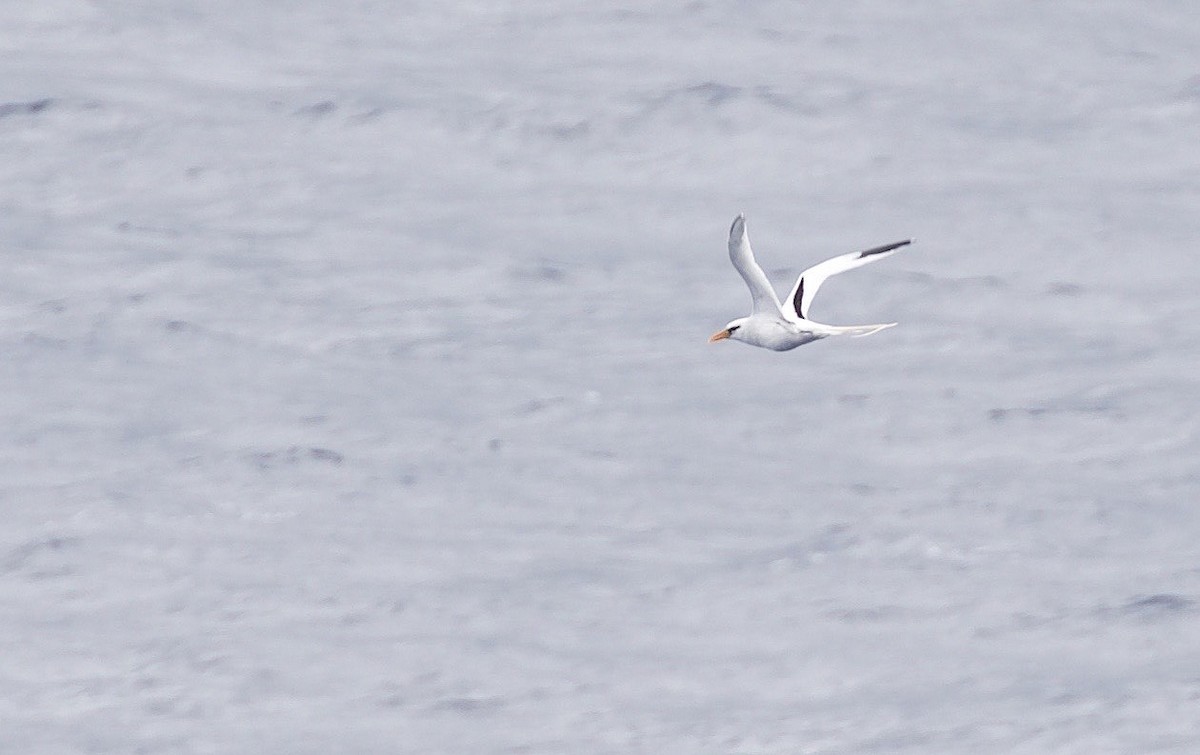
<point x="781" y="327"/>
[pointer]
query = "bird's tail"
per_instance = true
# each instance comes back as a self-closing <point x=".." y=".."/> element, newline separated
<point x="857" y="331"/>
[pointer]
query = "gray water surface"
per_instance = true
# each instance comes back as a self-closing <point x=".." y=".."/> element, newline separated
<point x="355" y="394"/>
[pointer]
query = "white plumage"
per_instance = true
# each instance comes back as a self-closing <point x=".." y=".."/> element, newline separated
<point x="783" y="326"/>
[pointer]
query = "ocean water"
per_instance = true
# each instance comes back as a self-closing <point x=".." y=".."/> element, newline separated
<point x="355" y="393"/>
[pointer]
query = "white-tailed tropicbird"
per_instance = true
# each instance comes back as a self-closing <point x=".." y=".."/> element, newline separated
<point x="781" y="327"/>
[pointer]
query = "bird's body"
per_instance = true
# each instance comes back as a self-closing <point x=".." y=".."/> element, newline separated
<point x="784" y="326"/>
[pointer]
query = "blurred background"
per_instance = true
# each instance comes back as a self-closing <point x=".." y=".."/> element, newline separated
<point x="355" y="393"/>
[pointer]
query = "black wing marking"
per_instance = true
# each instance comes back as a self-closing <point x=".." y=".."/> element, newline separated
<point x="884" y="248"/>
<point x="798" y="300"/>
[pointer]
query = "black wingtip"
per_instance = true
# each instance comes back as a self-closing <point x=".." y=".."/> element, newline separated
<point x="884" y="248"/>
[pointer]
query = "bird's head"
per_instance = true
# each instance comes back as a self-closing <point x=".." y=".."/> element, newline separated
<point x="729" y="331"/>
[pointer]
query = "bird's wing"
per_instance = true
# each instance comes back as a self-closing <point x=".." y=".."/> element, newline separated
<point x="800" y="299"/>
<point x="742" y="257"/>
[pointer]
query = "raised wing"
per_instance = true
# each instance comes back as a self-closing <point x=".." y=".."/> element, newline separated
<point x="742" y="258"/>
<point x="800" y="299"/>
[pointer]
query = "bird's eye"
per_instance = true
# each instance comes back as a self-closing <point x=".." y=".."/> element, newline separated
<point x="733" y="328"/>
